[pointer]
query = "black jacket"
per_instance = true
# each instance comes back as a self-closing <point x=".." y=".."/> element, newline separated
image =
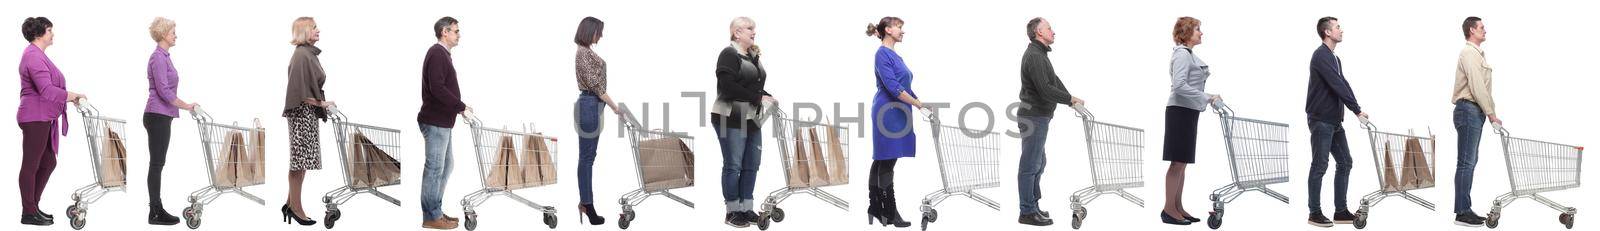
<point x="1041" y="88"/>
<point x="1328" y="93"/>
<point x="737" y="82"/>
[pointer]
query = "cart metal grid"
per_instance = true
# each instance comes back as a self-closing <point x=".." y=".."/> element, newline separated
<point x="1258" y="156"/>
<point x="1535" y="167"/>
<point x="1116" y="163"/>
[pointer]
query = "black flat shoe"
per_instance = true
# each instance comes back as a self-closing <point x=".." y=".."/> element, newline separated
<point x="1173" y="221"/>
<point x="1191" y="219"/>
<point x="36" y="219"/>
<point x="1035" y="219"/>
<point x="47" y="216"/>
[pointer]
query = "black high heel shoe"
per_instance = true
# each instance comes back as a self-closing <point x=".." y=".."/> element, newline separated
<point x="588" y="211"/>
<point x="288" y="214"/>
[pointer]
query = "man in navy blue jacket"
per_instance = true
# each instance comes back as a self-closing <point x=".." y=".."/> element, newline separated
<point x="1327" y="95"/>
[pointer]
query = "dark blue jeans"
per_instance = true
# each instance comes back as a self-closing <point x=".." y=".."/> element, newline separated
<point x="741" y="157"/>
<point x="1031" y="166"/>
<point x="1469" y="130"/>
<point x="587" y="111"/>
<point x="1328" y="138"/>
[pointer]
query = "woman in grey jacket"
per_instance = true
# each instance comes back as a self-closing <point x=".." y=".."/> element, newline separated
<point x="1183" y="115"/>
<point x="736" y="117"/>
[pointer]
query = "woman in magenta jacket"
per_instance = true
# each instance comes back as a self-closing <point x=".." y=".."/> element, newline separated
<point x="42" y="117"/>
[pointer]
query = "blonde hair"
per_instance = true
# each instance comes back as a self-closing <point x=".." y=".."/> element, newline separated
<point x="160" y="28"/>
<point x="733" y="30"/>
<point x="302" y="30"/>
<point x="1184" y="29"/>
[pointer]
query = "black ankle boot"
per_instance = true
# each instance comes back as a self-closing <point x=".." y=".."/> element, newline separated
<point x="587" y="210"/>
<point x="159" y="216"/>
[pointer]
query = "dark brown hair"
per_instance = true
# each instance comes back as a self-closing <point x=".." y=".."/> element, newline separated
<point x="883" y="24"/>
<point x="1467" y="25"/>
<point x="35" y="27"/>
<point x="588" y="31"/>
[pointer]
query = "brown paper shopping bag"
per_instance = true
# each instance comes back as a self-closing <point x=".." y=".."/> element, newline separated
<point x="667" y="163"/>
<point x="506" y="172"/>
<point x="227" y="165"/>
<point x="539" y="165"/>
<point x="837" y="163"/>
<point x="799" y="171"/>
<point x="819" y="168"/>
<point x="1390" y="183"/>
<point x="354" y="162"/>
<point x="113" y="164"/>
<point x="1418" y="173"/>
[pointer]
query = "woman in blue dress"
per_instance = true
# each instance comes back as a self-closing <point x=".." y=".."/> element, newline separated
<point x="892" y="136"/>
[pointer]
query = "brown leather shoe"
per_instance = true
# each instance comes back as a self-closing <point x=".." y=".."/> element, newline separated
<point x="441" y="223"/>
<point x="452" y="219"/>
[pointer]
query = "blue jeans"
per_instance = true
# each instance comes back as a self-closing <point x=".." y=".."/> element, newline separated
<point x="1328" y="138"/>
<point x="1469" y="130"/>
<point x="587" y="113"/>
<point x="1032" y="164"/>
<point x="436" y="171"/>
<point x="741" y="157"/>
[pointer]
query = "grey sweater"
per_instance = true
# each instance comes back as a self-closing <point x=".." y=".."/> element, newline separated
<point x="1041" y="88"/>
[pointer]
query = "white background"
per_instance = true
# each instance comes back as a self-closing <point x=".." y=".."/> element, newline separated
<point x="515" y="66"/>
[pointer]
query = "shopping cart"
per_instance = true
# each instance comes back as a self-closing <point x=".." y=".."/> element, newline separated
<point x="1258" y="154"/>
<point x="1116" y="163"/>
<point x="357" y="142"/>
<point x="221" y="142"/>
<point x="502" y="155"/>
<point x="664" y="160"/>
<point x="1534" y="167"/>
<point x="969" y="160"/>
<point x="1389" y="149"/>
<point x="105" y="135"/>
<point x="787" y="130"/>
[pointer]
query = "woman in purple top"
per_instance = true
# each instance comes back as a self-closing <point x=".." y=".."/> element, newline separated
<point x="42" y="117"/>
<point x="159" y="110"/>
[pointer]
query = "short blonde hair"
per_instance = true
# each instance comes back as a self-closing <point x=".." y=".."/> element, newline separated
<point x="160" y="28"/>
<point x="302" y="30"/>
<point x="740" y="22"/>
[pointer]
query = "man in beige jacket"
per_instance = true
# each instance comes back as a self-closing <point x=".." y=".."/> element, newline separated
<point x="1474" y="102"/>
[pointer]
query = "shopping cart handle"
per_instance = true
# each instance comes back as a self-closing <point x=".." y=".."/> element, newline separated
<point x="87" y="109"/>
<point x="1500" y="129"/>
<point x="1083" y="112"/>
<point x="1367" y="124"/>
<point x="337" y="115"/>
<point x="200" y="114"/>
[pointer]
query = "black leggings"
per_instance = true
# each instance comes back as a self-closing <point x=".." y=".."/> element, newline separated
<point x="158" y="127"/>
<point x="882" y="174"/>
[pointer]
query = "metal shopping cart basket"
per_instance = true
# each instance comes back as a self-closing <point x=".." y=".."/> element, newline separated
<point x="809" y="163"/>
<point x="233" y="162"/>
<point x="968" y="160"/>
<point x="1258" y="155"/>
<point x="107" y="155"/>
<point x="371" y="157"/>
<point x="664" y="160"/>
<point x="1404" y="162"/>
<point x="1534" y="167"/>
<point x="1116" y="163"/>
<point x="510" y="160"/>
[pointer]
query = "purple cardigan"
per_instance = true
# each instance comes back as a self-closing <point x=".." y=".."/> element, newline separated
<point x="44" y="92"/>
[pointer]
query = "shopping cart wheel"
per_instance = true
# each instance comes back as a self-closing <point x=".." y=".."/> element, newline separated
<point x="777" y="214"/>
<point x="1566" y="219"/>
<point x="76" y="213"/>
<point x="1361" y="220"/>
<point x="1215" y="220"/>
<point x="472" y="220"/>
<point x="1077" y="217"/>
<point x="191" y="216"/>
<point x="332" y="216"/>
<point x="1493" y="221"/>
<point x="624" y="219"/>
<point x="550" y="220"/>
<point x="931" y="215"/>
<point x="764" y="221"/>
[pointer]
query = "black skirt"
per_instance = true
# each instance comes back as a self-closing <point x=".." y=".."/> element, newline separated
<point x="1182" y="124"/>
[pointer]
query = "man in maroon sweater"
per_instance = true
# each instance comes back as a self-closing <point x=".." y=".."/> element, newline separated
<point x="441" y="101"/>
